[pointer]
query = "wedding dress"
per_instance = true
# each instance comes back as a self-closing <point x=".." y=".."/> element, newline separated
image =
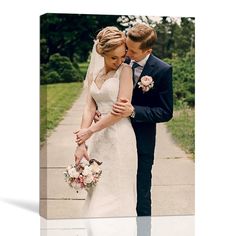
<point x="115" y="146"/>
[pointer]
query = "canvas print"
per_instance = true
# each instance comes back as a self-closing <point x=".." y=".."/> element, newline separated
<point x="116" y="115"/>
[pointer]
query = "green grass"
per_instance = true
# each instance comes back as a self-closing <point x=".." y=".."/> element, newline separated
<point x="182" y="129"/>
<point x="55" y="100"/>
<point x="83" y="68"/>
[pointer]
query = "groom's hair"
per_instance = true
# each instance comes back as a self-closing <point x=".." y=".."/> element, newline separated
<point x="143" y="33"/>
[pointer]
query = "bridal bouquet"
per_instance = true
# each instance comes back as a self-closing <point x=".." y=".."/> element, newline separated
<point x="84" y="175"/>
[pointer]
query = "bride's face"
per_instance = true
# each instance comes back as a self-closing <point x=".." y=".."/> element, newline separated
<point x="114" y="58"/>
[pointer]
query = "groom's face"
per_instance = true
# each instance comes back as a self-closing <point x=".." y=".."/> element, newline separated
<point x="134" y="52"/>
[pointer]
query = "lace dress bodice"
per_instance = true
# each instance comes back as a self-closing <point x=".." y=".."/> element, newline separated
<point x="106" y="95"/>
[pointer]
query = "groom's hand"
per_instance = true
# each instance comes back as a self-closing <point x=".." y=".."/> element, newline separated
<point x="122" y="108"/>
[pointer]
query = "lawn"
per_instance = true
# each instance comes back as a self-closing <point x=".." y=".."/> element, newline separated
<point x="83" y="68"/>
<point x="182" y="127"/>
<point x="55" y="100"/>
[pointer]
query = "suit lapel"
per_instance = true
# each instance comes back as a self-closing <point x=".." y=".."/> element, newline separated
<point x="147" y="70"/>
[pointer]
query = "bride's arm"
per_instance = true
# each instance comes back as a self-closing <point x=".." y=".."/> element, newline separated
<point x="89" y="112"/>
<point x="87" y="119"/>
<point x="125" y="92"/>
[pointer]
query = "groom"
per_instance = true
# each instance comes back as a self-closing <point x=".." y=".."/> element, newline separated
<point x="152" y="103"/>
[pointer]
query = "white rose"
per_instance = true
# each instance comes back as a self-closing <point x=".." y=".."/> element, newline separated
<point x="88" y="179"/>
<point x="86" y="171"/>
<point x="146" y="80"/>
<point x="73" y="173"/>
<point x="95" y="168"/>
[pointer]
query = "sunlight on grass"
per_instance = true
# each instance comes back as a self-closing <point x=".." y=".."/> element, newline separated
<point x="182" y="129"/>
<point x="55" y="100"/>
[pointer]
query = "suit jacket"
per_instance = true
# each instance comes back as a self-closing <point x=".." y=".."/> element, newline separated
<point x="153" y="106"/>
<point x="156" y="105"/>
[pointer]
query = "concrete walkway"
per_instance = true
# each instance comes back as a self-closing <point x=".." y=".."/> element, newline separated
<point x="173" y="173"/>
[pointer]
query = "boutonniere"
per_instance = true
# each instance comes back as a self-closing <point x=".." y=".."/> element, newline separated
<point x="146" y="83"/>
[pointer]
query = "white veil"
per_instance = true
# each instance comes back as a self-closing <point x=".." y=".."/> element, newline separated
<point x="95" y="65"/>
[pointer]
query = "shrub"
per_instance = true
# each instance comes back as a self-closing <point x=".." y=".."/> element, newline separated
<point x="52" y="77"/>
<point x="59" y="69"/>
<point x="183" y="80"/>
<point x="69" y="75"/>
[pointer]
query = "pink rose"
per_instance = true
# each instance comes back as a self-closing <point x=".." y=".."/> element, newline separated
<point x="146" y="80"/>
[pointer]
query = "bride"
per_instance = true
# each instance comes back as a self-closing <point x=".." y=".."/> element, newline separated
<point x="111" y="140"/>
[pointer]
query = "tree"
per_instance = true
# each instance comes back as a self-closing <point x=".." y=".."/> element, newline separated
<point x="71" y="35"/>
<point x="66" y="40"/>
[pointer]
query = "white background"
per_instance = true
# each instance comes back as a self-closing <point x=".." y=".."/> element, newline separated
<point x="215" y="98"/>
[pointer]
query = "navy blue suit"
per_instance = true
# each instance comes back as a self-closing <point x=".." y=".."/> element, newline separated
<point x="151" y="107"/>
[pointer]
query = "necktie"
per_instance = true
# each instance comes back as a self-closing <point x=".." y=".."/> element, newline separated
<point x="136" y="72"/>
<point x="135" y="64"/>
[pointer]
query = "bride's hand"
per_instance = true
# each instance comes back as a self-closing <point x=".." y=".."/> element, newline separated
<point x="80" y="153"/>
<point x="82" y="135"/>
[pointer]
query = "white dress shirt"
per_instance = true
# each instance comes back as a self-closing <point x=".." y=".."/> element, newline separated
<point x="138" y="70"/>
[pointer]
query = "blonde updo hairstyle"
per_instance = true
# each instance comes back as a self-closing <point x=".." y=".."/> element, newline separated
<point x="109" y="39"/>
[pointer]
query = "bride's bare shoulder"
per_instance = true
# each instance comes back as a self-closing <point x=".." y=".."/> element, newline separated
<point x="125" y="66"/>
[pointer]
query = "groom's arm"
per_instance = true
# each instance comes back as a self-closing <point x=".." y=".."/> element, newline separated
<point x="162" y="112"/>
